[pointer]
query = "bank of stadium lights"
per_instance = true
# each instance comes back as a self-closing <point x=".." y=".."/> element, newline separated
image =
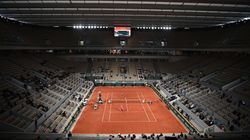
<point x="9" y="18"/>
<point x="246" y="18"/>
<point x="89" y="27"/>
<point x="13" y="19"/>
<point x="234" y="22"/>
<point x="154" y="28"/>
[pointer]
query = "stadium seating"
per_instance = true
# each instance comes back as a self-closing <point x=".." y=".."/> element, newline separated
<point x="23" y="106"/>
<point x="33" y="89"/>
<point x="210" y="105"/>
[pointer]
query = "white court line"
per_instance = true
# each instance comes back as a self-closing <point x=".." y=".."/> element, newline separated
<point x="143" y="108"/>
<point x="150" y="108"/>
<point x="103" y="114"/>
<point x="110" y="108"/>
<point x="126" y="103"/>
<point x="117" y="112"/>
<point x="127" y="121"/>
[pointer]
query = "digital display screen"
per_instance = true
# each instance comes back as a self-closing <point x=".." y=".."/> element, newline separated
<point x="122" y="31"/>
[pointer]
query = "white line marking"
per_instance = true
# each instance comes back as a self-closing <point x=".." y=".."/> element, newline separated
<point x="110" y="108"/>
<point x="150" y="109"/>
<point x="103" y="114"/>
<point x="129" y="112"/>
<point x="126" y="104"/>
<point x="127" y="121"/>
<point x="143" y="108"/>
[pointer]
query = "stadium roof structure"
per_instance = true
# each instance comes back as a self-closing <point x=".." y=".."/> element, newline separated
<point x="134" y="13"/>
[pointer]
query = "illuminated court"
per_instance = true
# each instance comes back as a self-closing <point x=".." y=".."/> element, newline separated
<point x="127" y="110"/>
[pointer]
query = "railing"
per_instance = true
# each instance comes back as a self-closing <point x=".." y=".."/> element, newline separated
<point x="79" y="110"/>
<point x="119" y="83"/>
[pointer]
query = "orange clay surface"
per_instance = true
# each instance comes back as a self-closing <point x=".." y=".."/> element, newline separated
<point x="127" y="113"/>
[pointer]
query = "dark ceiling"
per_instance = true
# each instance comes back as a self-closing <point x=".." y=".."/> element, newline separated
<point x="135" y="13"/>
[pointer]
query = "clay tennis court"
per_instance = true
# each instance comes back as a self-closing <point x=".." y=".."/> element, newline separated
<point x="126" y="110"/>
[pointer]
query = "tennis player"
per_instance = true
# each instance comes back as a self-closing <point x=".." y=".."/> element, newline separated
<point x="109" y="101"/>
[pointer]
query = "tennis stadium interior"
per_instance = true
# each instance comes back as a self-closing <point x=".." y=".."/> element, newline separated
<point x="124" y="69"/>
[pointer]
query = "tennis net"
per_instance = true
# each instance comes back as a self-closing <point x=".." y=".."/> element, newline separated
<point x="111" y="101"/>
